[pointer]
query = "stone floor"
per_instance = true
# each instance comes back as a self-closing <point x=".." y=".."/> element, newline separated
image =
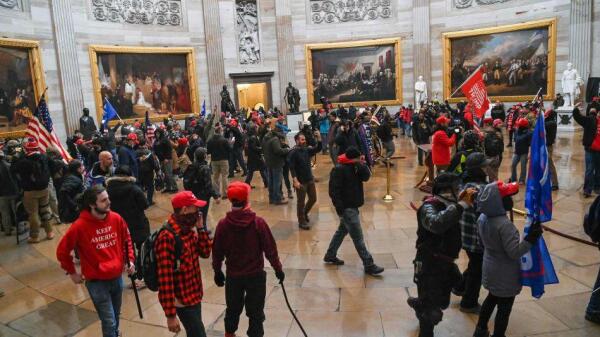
<point x="330" y="301"/>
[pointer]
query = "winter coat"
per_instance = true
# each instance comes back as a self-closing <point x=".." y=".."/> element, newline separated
<point x="148" y="165"/>
<point x="163" y="149"/>
<point x="439" y="228"/>
<point x="346" y="184"/>
<point x="254" y="152"/>
<point x="502" y="246"/>
<point x="324" y="124"/>
<point x="218" y="148"/>
<point x="129" y="201"/>
<point x="551" y="126"/>
<point x="299" y="162"/>
<point x="384" y="132"/>
<point x="440" y="147"/>
<point x="242" y="239"/>
<point x="522" y="141"/>
<point x="8" y="187"/>
<point x="201" y="182"/>
<point x="421" y="130"/>
<point x="274" y="152"/>
<point x="347" y="138"/>
<point x="127" y="156"/>
<point x="589" y="124"/>
<point x="71" y="186"/>
<point x="32" y="172"/>
<point x="98" y="176"/>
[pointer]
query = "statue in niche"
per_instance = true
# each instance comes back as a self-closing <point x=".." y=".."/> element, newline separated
<point x="571" y="82"/>
<point x="420" y="91"/>
<point x="293" y="98"/>
<point x="87" y="126"/>
<point x="226" y="102"/>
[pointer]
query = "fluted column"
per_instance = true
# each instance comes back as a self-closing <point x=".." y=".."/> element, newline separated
<point x="285" y="49"/>
<point x="421" y="44"/>
<point x="580" y="37"/>
<point x="214" y="50"/>
<point x="68" y="64"/>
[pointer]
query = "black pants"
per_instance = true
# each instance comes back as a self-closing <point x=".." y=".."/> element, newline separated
<point x="236" y="157"/>
<point x="420" y="155"/>
<point x="263" y="174"/>
<point x="149" y="187"/>
<point x="511" y="135"/>
<point x="472" y="280"/>
<point x="191" y="319"/>
<point x="504" y="309"/>
<point x="246" y="292"/>
<point x="286" y="177"/>
<point x="204" y="211"/>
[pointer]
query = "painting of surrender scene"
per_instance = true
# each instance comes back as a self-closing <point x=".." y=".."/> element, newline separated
<point x="138" y="82"/>
<point x="354" y="72"/>
<point x="518" y="60"/>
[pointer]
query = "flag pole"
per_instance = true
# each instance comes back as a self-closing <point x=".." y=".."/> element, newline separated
<point x="468" y="78"/>
<point x="106" y="99"/>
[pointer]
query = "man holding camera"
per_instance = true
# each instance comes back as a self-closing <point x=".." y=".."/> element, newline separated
<point x="441" y="144"/>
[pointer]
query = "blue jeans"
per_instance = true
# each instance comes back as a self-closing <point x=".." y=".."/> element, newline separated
<point x="170" y="183"/>
<point x="324" y="136"/>
<point x="593" y="307"/>
<point x="592" y="171"/>
<point x="106" y="296"/>
<point x="400" y="124"/>
<point x="350" y="224"/>
<point x="191" y="319"/>
<point x="275" y="176"/>
<point x="408" y="129"/>
<point x="513" y="167"/>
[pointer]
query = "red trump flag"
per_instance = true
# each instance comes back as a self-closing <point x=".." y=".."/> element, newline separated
<point x="475" y="91"/>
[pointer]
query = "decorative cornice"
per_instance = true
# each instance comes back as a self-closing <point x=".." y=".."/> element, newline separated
<point x="461" y="4"/>
<point x="145" y="12"/>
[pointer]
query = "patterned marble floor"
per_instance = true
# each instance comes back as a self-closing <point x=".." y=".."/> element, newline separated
<point x="330" y="301"/>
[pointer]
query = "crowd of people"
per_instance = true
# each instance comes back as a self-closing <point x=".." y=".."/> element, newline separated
<point x="104" y="191"/>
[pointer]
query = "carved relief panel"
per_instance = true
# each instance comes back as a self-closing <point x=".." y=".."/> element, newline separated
<point x="336" y="11"/>
<point x="247" y="31"/>
<point x="145" y="12"/>
<point x="460" y="4"/>
<point x="16" y="5"/>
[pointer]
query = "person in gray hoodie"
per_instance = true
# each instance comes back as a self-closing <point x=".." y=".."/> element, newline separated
<point x="502" y="255"/>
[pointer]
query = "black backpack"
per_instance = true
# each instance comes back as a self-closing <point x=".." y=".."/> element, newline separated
<point x="591" y="222"/>
<point x="493" y="144"/>
<point x="148" y="259"/>
<point x="190" y="177"/>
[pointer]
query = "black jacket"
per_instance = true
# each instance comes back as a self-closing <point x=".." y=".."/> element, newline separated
<point x="148" y="165"/>
<point x="345" y="139"/>
<point x="239" y="137"/>
<point x="32" y="172"/>
<point x="127" y="199"/>
<point x="384" y="132"/>
<point x="589" y="124"/>
<point x="522" y="141"/>
<point x="201" y="184"/>
<point x="346" y="185"/>
<point x="274" y="152"/>
<point x="299" y="162"/>
<point x="551" y="126"/>
<point x="218" y="148"/>
<point x="71" y="186"/>
<point x="438" y="229"/>
<point x="421" y="131"/>
<point x="163" y="149"/>
<point x="8" y="187"/>
<point x="254" y="152"/>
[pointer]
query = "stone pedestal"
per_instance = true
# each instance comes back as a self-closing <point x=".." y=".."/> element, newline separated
<point x="565" y="120"/>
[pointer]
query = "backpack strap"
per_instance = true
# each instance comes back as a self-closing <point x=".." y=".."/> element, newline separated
<point x="178" y="244"/>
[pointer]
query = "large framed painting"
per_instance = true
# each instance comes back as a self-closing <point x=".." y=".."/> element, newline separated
<point x="518" y="60"/>
<point x="353" y="73"/>
<point x="160" y="80"/>
<point x="21" y="84"/>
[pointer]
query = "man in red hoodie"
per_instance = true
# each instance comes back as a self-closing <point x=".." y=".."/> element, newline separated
<point x="441" y="144"/>
<point x="101" y="238"/>
<point x="179" y="278"/>
<point x="242" y="238"/>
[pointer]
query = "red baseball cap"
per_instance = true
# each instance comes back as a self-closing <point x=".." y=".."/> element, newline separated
<point x="238" y="191"/>
<point x="132" y="136"/>
<point x="186" y="198"/>
<point x="523" y="123"/>
<point x="182" y="141"/>
<point x="442" y="120"/>
<point x="233" y="123"/>
<point x="507" y="189"/>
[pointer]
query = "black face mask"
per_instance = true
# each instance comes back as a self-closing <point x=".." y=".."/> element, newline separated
<point x="508" y="204"/>
<point x="187" y="220"/>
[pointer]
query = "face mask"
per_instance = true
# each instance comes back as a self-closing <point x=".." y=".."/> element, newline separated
<point x="187" y="220"/>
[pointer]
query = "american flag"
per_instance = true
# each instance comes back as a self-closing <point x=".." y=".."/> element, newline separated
<point x="149" y="130"/>
<point x="40" y="128"/>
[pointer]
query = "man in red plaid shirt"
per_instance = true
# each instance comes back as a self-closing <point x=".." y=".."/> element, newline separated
<point x="180" y="282"/>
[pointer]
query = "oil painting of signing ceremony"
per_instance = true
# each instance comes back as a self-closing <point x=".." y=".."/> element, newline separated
<point x="305" y="168"/>
<point x="136" y="83"/>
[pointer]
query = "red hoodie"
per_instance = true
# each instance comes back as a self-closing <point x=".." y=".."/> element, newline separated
<point x="100" y="244"/>
<point x="241" y="238"/>
<point x="440" y="147"/>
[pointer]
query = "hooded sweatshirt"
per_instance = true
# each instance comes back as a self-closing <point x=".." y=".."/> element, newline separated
<point x="502" y="246"/>
<point x="241" y="238"/>
<point x="101" y="246"/>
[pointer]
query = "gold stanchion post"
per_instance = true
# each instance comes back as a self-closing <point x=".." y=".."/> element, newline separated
<point x="388" y="197"/>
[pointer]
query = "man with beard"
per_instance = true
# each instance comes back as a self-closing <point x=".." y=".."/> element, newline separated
<point x="304" y="182"/>
<point x="102" y="240"/>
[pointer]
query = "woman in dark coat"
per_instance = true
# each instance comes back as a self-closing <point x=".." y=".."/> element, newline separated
<point x="256" y="161"/>
<point x="71" y="186"/>
<point x="128" y="200"/>
<point x="148" y="165"/>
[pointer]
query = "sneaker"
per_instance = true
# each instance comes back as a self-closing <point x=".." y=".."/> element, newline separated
<point x="414" y="303"/>
<point x="587" y="194"/>
<point x="306" y="217"/>
<point x="50" y="236"/>
<point x="594" y="318"/>
<point x="281" y="202"/>
<point x="471" y="310"/>
<point x="33" y="240"/>
<point x="458" y="292"/>
<point x="374" y="270"/>
<point x="304" y="226"/>
<point x="555" y="188"/>
<point x="333" y="260"/>
<point x="481" y="333"/>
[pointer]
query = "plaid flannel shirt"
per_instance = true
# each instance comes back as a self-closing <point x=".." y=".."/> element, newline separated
<point x="469" y="232"/>
<point x="184" y="285"/>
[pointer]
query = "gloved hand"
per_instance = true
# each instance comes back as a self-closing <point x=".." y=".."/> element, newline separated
<point x="219" y="278"/>
<point x="468" y="196"/>
<point x="280" y="275"/>
<point x="535" y="231"/>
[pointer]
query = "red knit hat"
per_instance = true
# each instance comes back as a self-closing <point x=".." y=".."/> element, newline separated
<point x="523" y="123"/>
<point x="507" y="189"/>
<point x="31" y="145"/>
<point x="238" y="191"/>
<point x="442" y="120"/>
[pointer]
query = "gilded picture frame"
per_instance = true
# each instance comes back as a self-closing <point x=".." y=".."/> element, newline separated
<point x="310" y="49"/>
<point x="190" y="62"/>
<point x="549" y="60"/>
<point x="36" y="73"/>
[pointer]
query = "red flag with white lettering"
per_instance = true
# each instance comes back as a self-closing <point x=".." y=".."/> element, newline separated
<point x="475" y="91"/>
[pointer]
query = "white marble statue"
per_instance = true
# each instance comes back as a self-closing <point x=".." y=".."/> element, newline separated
<point x="420" y="91"/>
<point x="571" y="82"/>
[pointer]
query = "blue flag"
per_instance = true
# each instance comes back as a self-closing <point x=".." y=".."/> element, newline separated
<point x="203" y="113"/>
<point x="109" y="112"/>
<point x="537" y="269"/>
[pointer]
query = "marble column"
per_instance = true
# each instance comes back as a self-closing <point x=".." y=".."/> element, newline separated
<point x="68" y="64"/>
<point x="285" y="49"/>
<point x="580" y="38"/>
<point x="214" y="50"/>
<point x="421" y="45"/>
